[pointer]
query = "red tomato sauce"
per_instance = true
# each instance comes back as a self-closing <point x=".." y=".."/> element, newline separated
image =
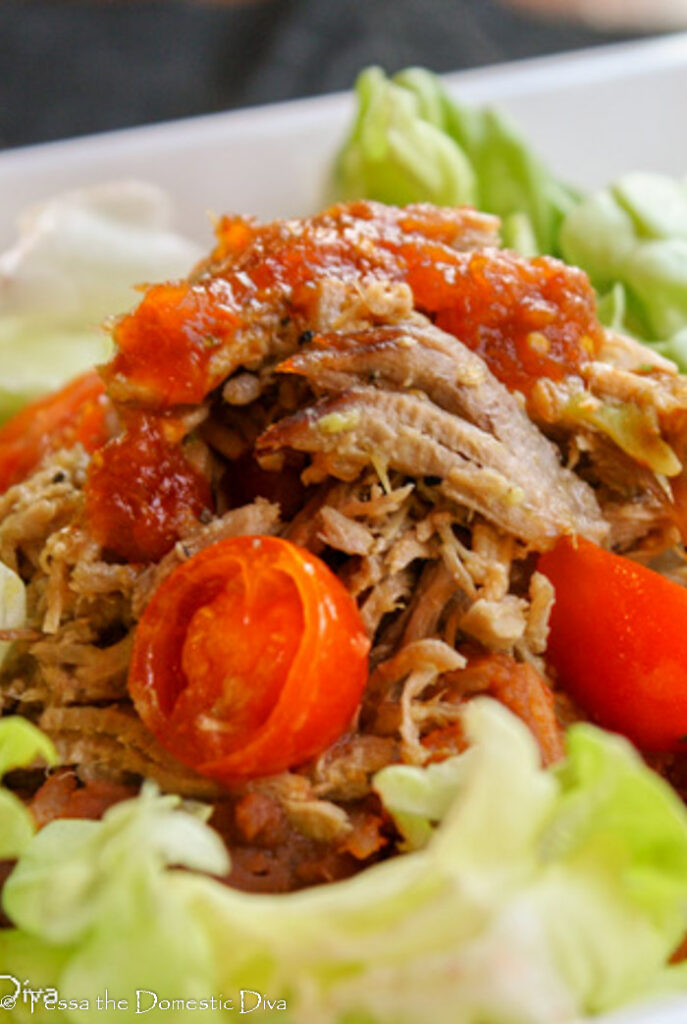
<point x="526" y="318"/>
<point x="142" y="493"/>
<point x="165" y="346"/>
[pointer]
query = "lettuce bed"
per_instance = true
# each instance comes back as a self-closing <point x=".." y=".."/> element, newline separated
<point x="528" y="896"/>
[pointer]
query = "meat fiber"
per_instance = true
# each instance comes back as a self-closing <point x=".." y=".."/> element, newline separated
<point x="410" y="434"/>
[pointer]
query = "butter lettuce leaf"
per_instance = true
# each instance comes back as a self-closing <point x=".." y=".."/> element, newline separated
<point x="21" y="745"/>
<point x="633" y="235"/>
<point x="412" y="142"/>
<point x="98" y="897"/>
<point x="531" y="896"/>
<point x="399" y="150"/>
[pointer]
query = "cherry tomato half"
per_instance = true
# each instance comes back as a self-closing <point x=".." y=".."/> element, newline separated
<point x="249" y="659"/>
<point x="618" y="641"/>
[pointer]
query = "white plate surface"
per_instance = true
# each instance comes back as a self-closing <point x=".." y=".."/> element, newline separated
<point x="592" y="115"/>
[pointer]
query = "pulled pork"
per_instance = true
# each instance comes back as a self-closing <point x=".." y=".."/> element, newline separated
<point x="389" y="390"/>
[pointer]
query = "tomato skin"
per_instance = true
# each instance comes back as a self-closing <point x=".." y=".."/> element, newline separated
<point x="250" y="658"/>
<point x="618" y="641"/>
<point x="76" y="414"/>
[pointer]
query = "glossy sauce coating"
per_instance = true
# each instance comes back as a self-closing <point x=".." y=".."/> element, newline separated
<point x="142" y="493"/>
<point x="262" y="288"/>
<point x="527" y="318"/>
<point x="165" y="346"/>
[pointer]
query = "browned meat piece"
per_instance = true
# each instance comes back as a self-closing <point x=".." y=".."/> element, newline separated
<point x="625" y="419"/>
<point x="379" y="505"/>
<point x="666" y="393"/>
<point x="619" y="448"/>
<point x="367" y="837"/>
<point x="628" y="354"/>
<point x="261" y="517"/>
<point x="434" y="591"/>
<point x="63" y="796"/>
<point x="344" y="534"/>
<point x="268" y="854"/>
<point x="522" y="690"/>
<point x="496" y="625"/>
<point x="627" y="371"/>
<point x="79" y="673"/>
<point x="387" y="595"/>
<point x="344" y="772"/>
<point x="304" y="528"/>
<point x="418" y="356"/>
<point x="386" y="429"/>
<point x="40" y="506"/>
<point x="112" y="742"/>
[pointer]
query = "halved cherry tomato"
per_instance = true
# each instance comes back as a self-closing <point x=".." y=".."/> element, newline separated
<point x="75" y="414"/>
<point x="618" y="641"/>
<point x="250" y="658"/>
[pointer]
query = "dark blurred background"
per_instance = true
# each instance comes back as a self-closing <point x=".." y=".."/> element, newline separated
<point x="69" y="67"/>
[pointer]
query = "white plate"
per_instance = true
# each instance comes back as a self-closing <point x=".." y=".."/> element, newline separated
<point x="592" y="115"/>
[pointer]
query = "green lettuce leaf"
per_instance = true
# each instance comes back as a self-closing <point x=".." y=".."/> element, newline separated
<point x="99" y="894"/>
<point x="419" y="798"/>
<point x="20" y="742"/>
<point x="398" y="150"/>
<point x="674" y="348"/>
<point x="531" y="896"/>
<point x="21" y="745"/>
<point x="411" y="142"/>
<point x="546" y="893"/>
<point x="610" y="858"/>
<point x="633" y="235"/>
